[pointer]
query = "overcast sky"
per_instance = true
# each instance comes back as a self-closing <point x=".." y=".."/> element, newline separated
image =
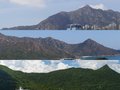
<point x="28" y="12"/>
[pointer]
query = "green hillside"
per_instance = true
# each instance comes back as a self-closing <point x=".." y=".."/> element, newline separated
<point x="69" y="79"/>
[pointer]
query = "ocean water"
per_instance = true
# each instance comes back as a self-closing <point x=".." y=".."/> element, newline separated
<point x="100" y="58"/>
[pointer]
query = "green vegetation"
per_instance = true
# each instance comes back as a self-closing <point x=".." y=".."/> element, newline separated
<point x="70" y="79"/>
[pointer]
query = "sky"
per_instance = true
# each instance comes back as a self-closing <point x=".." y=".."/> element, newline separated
<point x="30" y="12"/>
<point x="46" y="66"/>
<point x="107" y="38"/>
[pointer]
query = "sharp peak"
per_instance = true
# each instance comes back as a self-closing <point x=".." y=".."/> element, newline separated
<point x="89" y="40"/>
<point x="105" y="67"/>
<point x="87" y="6"/>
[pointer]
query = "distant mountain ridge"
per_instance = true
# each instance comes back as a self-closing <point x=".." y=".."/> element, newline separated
<point x="49" y="48"/>
<point x="84" y="16"/>
<point x="72" y="79"/>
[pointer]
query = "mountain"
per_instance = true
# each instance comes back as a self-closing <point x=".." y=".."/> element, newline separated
<point x="15" y="48"/>
<point x="92" y="48"/>
<point x="72" y="79"/>
<point x="83" y="16"/>
<point x="31" y="48"/>
<point x="7" y="82"/>
<point x="118" y="50"/>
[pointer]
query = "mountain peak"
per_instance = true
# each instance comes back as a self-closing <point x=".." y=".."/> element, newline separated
<point x="89" y="41"/>
<point x="87" y="7"/>
<point x="105" y="67"/>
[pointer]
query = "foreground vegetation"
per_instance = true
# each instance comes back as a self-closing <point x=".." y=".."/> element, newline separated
<point x="70" y="79"/>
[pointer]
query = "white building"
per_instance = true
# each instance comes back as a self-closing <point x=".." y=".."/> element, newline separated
<point x="112" y="26"/>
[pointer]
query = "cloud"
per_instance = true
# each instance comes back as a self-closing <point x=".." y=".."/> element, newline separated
<point x="115" y="67"/>
<point x="39" y="66"/>
<point x="99" y="6"/>
<point x="33" y="3"/>
<point x="91" y="64"/>
<point x="44" y="66"/>
<point x="96" y="64"/>
<point x="62" y="66"/>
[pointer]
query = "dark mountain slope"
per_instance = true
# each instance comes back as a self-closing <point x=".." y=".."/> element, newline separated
<point x="7" y="82"/>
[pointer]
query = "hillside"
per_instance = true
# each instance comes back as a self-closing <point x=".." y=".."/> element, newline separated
<point x="83" y="16"/>
<point x="72" y="79"/>
<point x="15" y="48"/>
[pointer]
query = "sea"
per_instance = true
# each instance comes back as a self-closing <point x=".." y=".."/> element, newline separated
<point x="100" y="58"/>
